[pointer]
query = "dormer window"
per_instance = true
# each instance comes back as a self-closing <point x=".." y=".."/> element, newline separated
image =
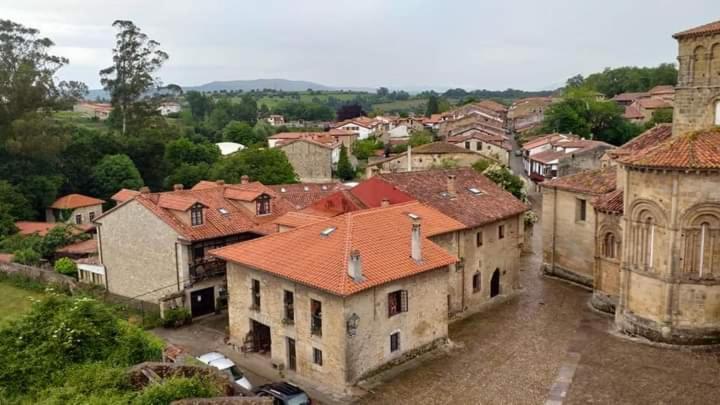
<point x="196" y="215"/>
<point x="262" y="205"/>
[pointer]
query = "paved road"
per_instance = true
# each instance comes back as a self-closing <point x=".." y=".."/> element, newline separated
<point x="546" y="343"/>
<point x="515" y="163"/>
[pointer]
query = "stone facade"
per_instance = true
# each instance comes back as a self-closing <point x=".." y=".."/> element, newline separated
<point x="576" y="162"/>
<point x="697" y="95"/>
<point x="312" y="162"/>
<point x="608" y="249"/>
<point x="490" y="149"/>
<point x="568" y="257"/>
<point x="424" y="161"/>
<point x="355" y="334"/>
<point x="77" y="216"/>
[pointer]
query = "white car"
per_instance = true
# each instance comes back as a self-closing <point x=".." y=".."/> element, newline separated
<point x="222" y="363"/>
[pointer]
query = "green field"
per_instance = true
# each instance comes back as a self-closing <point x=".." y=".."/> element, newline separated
<point x="16" y="301"/>
<point x="272" y="101"/>
<point x="401" y="105"/>
<point x="71" y="117"/>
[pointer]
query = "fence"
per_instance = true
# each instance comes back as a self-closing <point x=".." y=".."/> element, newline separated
<point x="45" y="276"/>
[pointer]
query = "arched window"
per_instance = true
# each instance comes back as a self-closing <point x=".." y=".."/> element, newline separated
<point x="702" y="247"/>
<point x="700" y="65"/>
<point x="642" y="241"/>
<point x="649" y="242"/>
<point x="717" y="109"/>
<point x="609" y="246"/>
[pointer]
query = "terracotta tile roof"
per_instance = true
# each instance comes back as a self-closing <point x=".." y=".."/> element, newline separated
<point x="438" y="148"/>
<point x="326" y="142"/>
<point x="6" y="257"/>
<point x="479" y="126"/>
<point x="225" y="213"/>
<point x="203" y="184"/>
<point x="492" y="105"/>
<point x="610" y="203"/>
<point x="364" y="122"/>
<point x="599" y="181"/>
<point x="382" y="236"/>
<point x="301" y="195"/>
<point x="710" y="28"/>
<point x="72" y="201"/>
<point x="86" y="247"/>
<point x="546" y="139"/>
<point x="430" y="187"/>
<point x="695" y="150"/>
<point x="42" y="228"/>
<point x="492" y="139"/>
<point x="547" y="156"/>
<point x="652" y="103"/>
<point x="651" y="137"/>
<point x="630" y="96"/>
<point x="528" y="107"/>
<point x="662" y="89"/>
<point x="298" y="219"/>
<point x="124" y="195"/>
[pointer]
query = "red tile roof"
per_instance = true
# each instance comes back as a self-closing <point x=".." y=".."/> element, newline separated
<point x="492" y="105"/>
<point x="547" y="156"/>
<point x="632" y="112"/>
<point x="302" y="195"/>
<point x="235" y="219"/>
<point x="298" y="219"/>
<point x="610" y="203"/>
<point x="124" y="195"/>
<point x="382" y="236"/>
<point x="42" y="228"/>
<point x="652" y="103"/>
<point x="546" y="139"/>
<point x="86" y="247"/>
<point x="430" y="187"/>
<point x="72" y="201"/>
<point x="6" y="257"/>
<point x="599" y="181"/>
<point x="695" y="150"/>
<point x="662" y="89"/>
<point x="630" y="96"/>
<point x="651" y="137"/>
<point x="710" y="28"/>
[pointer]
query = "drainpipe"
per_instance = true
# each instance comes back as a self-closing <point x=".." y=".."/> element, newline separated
<point x="99" y="236"/>
<point x="554" y="228"/>
<point x="177" y="266"/>
<point x="409" y="158"/>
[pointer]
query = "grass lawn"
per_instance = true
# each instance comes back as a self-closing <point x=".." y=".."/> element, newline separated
<point x="15" y="301"/>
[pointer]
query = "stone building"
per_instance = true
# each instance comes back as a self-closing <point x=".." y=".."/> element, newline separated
<point x="528" y="113"/>
<point x="74" y="209"/>
<point x="494" y="146"/>
<point x="663" y="218"/>
<point x="154" y="246"/>
<point x="312" y="160"/>
<point x="429" y="156"/>
<point x="336" y="301"/>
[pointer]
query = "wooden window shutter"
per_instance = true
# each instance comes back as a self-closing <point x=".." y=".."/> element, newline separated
<point x="403" y="301"/>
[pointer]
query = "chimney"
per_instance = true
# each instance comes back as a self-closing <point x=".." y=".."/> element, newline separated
<point x="451" y="184"/>
<point x="144" y="190"/>
<point x="416" y="241"/>
<point x="385" y="202"/>
<point x="177" y="187"/>
<point x="244" y="179"/>
<point x="355" y="266"/>
<point x="220" y="182"/>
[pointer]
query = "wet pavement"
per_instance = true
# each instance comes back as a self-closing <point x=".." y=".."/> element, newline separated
<point x="549" y="346"/>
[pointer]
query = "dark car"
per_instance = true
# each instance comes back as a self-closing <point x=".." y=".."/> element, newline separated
<point x="284" y="394"/>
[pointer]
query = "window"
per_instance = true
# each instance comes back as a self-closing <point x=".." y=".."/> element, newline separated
<point x="581" y="209"/>
<point x="395" y="342"/>
<point x="476" y="282"/>
<point x="609" y="249"/>
<point x="256" y="294"/>
<point x="397" y="302"/>
<point x="196" y="215"/>
<point x="91" y="215"/>
<point x="78" y="219"/>
<point x="479" y="239"/>
<point x="262" y="205"/>
<point x="317" y="356"/>
<point x="501" y="232"/>
<point x="478" y="146"/>
<point x="288" y="301"/>
<point x="467" y="145"/>
<point x="717" y="113"/>
<point x="702" y="247"/>
<point x="315" y="318"/>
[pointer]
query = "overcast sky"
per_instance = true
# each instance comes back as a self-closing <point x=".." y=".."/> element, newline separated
<point x="494" y="44"/>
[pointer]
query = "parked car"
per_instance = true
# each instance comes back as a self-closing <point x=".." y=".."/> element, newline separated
<point x="284" y="393"/>
<point x="222" y="363"/>
<point x="518" y="152"/>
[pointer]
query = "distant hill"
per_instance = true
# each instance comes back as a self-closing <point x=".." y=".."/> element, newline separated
<point x="248" y="85"/>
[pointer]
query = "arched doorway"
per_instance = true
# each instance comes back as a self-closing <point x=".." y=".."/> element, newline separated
<point x="495" y="283"/>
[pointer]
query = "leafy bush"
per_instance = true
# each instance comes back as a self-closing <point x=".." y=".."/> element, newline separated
<point x="365" y="148"/>
<point x="176" y="388"/>
<point x="175" y="317"/>
<point x="27" y="256"/>
<point x="66" y="266"/>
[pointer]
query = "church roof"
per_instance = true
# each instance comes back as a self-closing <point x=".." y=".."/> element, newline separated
<point x="710" y="28"/>
<point x="695" y="150"/>
<point x="598" y="181"/>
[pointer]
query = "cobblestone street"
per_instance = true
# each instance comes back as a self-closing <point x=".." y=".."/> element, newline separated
<point x="547" y="343"/>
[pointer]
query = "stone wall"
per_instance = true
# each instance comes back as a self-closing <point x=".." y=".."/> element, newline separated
<point x="47" y="276"/>
<point x="141" y="254"/>
<point x="698" y="91"/>
<point x="311" y="162"/>
<point x="579" y="162"/>
<point x="345" y="358"/>
<point x="568" y="242"/>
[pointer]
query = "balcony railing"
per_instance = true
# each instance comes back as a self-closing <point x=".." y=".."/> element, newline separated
<point x="202" y="269"/>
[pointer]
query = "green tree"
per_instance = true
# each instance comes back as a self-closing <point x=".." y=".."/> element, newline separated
<point x="66" y="267"/>
<point x="503" y="177"/>
<point x="27" y="256"/>
<point x="611" y="82"/>
<point x="7" y="222"/>
<point x="365" y="148"/>
<point x="114" y="172"/>
<point x="176" y="388"/>
<point x="268" y="166"/>
<point x="84" y="150"/>
<point x="239" y="132"/>
<point x="433" y="106"/>
<point x="188" y="174"/>
<point x="422" y="137"/>
<point x="344" y="169"/>
<point x="200" y="105"/>
<point x="14" y="202"/>
<point x="184" y="151"/>
<point x="59" y="236"/>
<point x="136" y="58"/>
<point x="661" y="116"/>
